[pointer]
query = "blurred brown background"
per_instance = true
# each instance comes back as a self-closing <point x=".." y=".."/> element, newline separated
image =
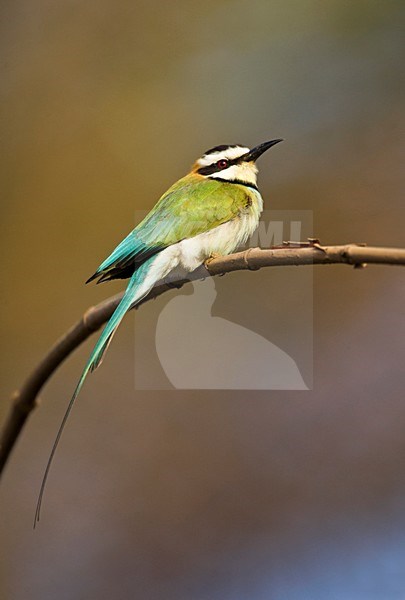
<point x="204" y="495"/>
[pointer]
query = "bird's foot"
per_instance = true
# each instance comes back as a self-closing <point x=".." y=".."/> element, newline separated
<point x="210" y="258"/>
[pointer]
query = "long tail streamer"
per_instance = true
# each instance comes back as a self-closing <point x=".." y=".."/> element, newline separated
<point x="133" y="294"/>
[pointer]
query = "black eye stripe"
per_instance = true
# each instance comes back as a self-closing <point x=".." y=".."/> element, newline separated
<point x="214" y="168"/>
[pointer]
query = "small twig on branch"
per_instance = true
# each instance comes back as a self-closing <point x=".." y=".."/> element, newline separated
<point x="291" y="253"/>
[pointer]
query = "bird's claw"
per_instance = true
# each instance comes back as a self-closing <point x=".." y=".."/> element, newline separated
<point x="211" y="258"/>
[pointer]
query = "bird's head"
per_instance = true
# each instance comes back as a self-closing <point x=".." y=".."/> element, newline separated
<point x="234" y="163"/>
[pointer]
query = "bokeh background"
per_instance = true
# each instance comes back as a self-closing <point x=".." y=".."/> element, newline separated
<point x="204" y="495"/>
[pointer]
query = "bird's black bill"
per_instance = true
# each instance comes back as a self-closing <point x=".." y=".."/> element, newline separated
<point x="254" y="154"/>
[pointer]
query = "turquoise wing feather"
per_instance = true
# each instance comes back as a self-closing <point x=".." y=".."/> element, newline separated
<point x="191" y="206"/>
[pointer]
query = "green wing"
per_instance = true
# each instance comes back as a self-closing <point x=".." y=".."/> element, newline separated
<point x="193" y="205"/>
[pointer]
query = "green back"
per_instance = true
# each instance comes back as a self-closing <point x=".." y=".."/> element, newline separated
<point x="193" y="205"/>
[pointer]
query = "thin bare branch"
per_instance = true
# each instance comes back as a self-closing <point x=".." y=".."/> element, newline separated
<point x="24" y="400"/>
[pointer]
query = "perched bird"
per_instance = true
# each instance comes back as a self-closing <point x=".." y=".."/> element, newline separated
<point x="211" y="211"/>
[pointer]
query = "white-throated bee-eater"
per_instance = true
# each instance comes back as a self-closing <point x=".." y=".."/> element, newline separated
<point x="211" y="211"/>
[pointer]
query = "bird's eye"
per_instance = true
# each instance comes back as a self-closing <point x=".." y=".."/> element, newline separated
<point x="222" y="164"/>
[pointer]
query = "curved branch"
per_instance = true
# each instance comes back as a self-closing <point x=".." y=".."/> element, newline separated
<point x="24" y="400"/>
